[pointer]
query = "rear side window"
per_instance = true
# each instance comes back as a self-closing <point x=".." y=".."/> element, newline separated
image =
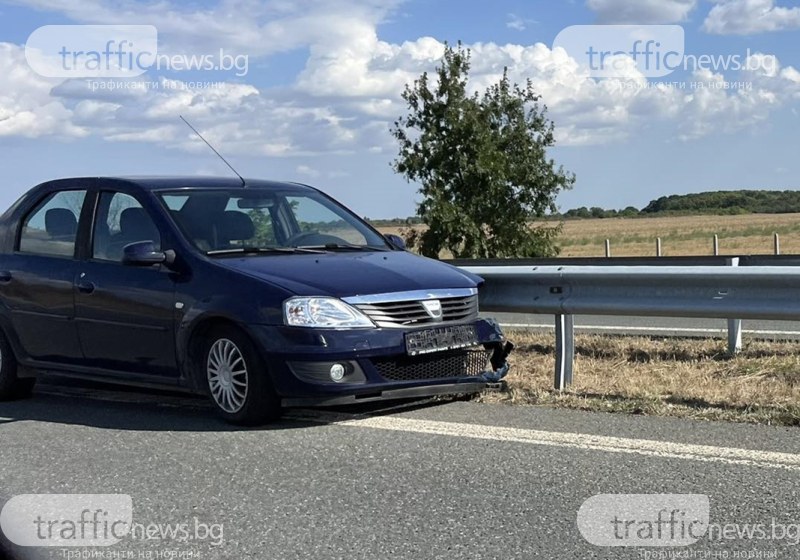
<point x="52" y="227"/>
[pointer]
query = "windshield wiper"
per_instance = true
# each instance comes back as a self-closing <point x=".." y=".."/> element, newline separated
<point x="342" y="247"/>
<point x="263" y="251"/>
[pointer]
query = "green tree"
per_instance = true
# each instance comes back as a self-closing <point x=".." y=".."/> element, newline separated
<point x="481" y="162"/>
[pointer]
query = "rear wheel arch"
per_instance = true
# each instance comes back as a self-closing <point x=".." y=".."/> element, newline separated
<point x="12" y="385"/>
<point x="7" y="330"/>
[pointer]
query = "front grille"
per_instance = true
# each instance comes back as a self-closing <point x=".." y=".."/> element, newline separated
<point x="465" y="363"/>
<point x="398" y="314"/>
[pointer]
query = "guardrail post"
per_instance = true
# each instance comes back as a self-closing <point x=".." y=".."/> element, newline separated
<point x="565" y="351"/>
<point x="734" y="325"/>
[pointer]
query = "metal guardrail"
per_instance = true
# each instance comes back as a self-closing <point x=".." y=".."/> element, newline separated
<point x="744" y="260"/>
<point x="596" y="261"/>
<point x="733" y="292"/>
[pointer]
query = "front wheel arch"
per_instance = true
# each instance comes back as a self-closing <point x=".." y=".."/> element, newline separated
<point x="192" y="359"/>
<point x="261" y="403"/>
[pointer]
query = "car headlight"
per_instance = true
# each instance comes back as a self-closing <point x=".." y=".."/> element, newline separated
<point x="323" y="312"/>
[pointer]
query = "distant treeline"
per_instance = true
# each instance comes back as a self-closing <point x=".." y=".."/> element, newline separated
<point x="597" y="212"/>
<point x="712" y="203"/>
<point x="716" y="203"/>
<point x="394" y="222"/>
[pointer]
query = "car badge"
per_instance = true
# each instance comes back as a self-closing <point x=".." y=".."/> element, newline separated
<point x="433" y="307"/>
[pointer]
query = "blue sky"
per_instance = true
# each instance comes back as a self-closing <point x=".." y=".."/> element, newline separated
<point x="324" y="79"/>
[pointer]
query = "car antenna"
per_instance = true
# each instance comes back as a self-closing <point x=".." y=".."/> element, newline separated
<point x="214" y="150"/>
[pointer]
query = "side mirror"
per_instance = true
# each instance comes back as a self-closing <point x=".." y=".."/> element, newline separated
<point x="142" y="253"/>
<point x="396" y="241"/>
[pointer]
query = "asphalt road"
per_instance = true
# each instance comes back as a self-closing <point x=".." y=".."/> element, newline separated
<point x="423" y="480"/>
<point x="656" y="326"/>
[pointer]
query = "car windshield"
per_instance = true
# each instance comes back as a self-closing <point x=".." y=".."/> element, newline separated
<point x="261" y="221"/>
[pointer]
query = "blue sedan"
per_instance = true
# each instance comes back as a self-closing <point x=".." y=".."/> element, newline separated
<point x="263" y="296"/>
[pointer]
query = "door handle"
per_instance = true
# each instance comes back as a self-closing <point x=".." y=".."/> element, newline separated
<point x="86" y="287"/>
<point x="5" y="276"/>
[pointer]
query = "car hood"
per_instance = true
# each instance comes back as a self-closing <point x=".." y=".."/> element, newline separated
<point x="350" y="274"/>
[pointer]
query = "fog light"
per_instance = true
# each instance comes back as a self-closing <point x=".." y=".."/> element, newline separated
<point x="337" y="372"/>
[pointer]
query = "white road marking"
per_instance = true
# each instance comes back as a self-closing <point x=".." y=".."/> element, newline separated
<point x="649" y="329"/>
<point x="649" y="448"/>
<point x="611" y="444"/>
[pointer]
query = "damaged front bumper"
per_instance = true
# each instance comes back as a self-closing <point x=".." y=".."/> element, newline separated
<point x="385" y="392"/>
<point x="377" y="366"/>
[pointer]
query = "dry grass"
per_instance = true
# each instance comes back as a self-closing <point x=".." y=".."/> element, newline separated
<point x="667" y="377"/>
<point x="680" y="235"/>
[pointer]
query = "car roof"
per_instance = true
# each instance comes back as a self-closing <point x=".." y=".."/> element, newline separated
<point x="156" y="183"/>
<point x="177" y="182"/>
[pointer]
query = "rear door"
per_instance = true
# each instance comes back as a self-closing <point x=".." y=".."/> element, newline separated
<point x="37" y="280"/>
<point x="125" y="314"/>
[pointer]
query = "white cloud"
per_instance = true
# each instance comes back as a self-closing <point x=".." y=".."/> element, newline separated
<point x="641" y="11"/>
<point x="252" y="27"/>
<point x="366" y="73"/>
<point x="746" y="17"/>
<point x="347" y="95"/>
<point x="237" y="117"/>
<point x="26" y="106"/>
<point x="307" y="171"/>
<point x="518" y="23"/>
<point x="714" y="109"/>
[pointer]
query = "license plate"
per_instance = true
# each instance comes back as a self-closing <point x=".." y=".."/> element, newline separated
<point x="440" y="339"/>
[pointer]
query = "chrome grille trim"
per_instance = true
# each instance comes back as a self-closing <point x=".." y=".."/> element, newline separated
<point x="414" y="295"/>
<point x="405" y="309"/>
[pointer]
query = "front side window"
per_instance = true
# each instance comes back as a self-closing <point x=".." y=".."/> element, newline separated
<point x="258" y="220"/>
<point x="120" y="220"/>
<point x="52" y="227"/>
<point x="315" y="218"/>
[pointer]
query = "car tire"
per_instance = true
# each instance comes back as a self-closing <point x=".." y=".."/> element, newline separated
<point x="11" y="386"/>
<point x="237" y="379"/>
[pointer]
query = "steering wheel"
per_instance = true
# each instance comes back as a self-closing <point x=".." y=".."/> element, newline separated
<point x="313" y="238"/>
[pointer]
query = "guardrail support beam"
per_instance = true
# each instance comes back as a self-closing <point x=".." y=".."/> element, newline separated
<point x="565" y="351"/>
<point x="734" y="325"/>
<point x="734" y="336"/>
